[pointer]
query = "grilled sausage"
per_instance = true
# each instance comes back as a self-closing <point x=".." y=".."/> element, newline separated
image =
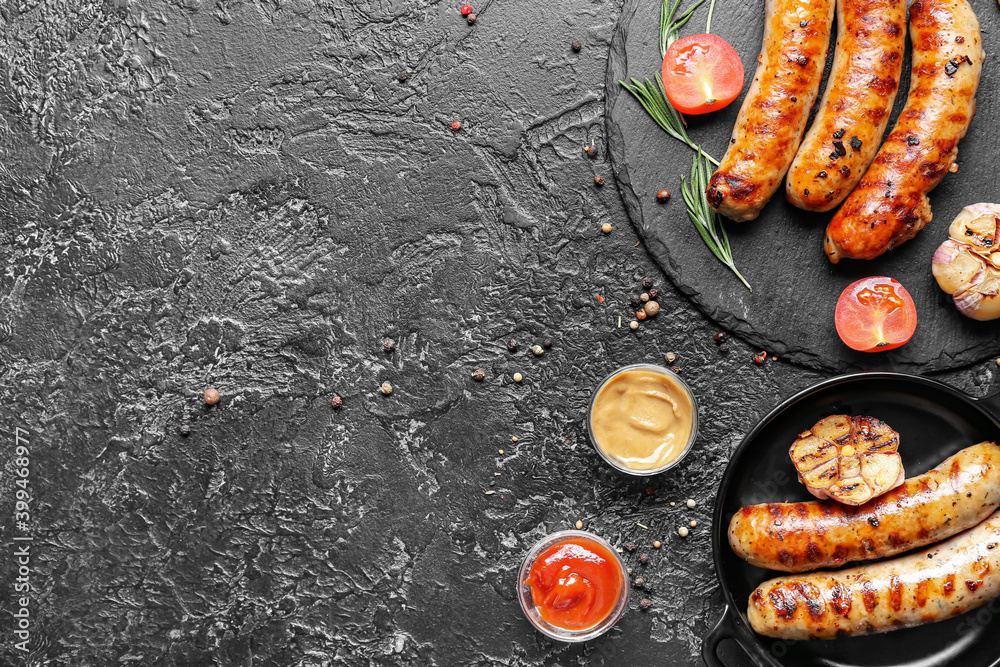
<point x="796" y="537"/>
<point x="944" y="581"/>
<point x="890" y="205"/>
<point x="847" y="131"/>
<point x="773" y="116"/>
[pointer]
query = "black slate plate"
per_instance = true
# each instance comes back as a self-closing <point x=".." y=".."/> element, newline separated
<point x="790" y="311"/>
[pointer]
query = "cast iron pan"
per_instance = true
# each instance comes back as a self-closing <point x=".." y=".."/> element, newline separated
<point x="934" y="421"/>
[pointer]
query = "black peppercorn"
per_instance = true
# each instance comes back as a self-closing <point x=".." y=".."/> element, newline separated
<point x="591" y="151"/>
<point x="388" y="345"/>
<point x="337" y="402"/>
<point x="598" y="180"/>
<point x="471" y="18"/>
<point x="724" y="348"/>
<point x="630" y="546"/>
<point x="576" y="46"/>
<point x="636" y="301"/>
<point x="640" y="582"/>
<point x="184" y="430"/>
<point x="643" y="558"/>
<point x="645" y="603"/>
<point x="720" y="337"/>
<point x="403" y="76"/>
<point x="478" y="375"/>
<point x="676" y="369"/>
<point x="647" y="283"/>
<point x="547" y="343"/>
<point x="512" y="345"/>
<point x="653" y="293"/>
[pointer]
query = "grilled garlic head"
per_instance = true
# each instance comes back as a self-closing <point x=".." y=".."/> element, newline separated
<point x="848" y="459"/>
<point x="967" y="265"/>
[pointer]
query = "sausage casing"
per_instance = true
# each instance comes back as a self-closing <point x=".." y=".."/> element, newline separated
<point x="944" y="581"/>
<point x="797" y="537"/>
<point x="848" y="129"/>
<point x="773" y="116"/>
<point x="890" y="205"/>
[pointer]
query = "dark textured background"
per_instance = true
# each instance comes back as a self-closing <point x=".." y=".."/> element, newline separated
<point x="243" y="195"/>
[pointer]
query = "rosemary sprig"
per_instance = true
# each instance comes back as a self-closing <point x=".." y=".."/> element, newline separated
<point x="654" y="101"/>
<point x="706" y="221"/>
<point x="670" y="28"/>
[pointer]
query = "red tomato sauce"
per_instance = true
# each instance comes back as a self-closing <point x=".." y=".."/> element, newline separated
<point x="575" y="584"/>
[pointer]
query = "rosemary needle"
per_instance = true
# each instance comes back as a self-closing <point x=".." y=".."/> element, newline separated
<point x="706" y="221"/>
<point x="669" y="27"/>
<point x="650" y="96"/>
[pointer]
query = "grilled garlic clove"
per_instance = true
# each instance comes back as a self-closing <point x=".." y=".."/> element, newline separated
<point x="848" y="459"/>
<point x="954" y="266"/>
<point x="976" y="226"/>
<point x="980" y="300"/>
<point x="967" y="265"/>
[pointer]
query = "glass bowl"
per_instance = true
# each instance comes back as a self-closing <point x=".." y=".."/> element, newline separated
<point x="617" y="465"/>
<point x="528" y="605"/>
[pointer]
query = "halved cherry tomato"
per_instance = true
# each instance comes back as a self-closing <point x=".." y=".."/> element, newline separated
<point x="701" y="73"/>
<point x="875" y="314"/>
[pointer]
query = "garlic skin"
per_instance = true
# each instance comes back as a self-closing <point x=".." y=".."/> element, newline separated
<point x="967" y="265"/>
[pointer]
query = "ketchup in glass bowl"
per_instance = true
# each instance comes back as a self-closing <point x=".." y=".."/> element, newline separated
<point x="573" y="586"/>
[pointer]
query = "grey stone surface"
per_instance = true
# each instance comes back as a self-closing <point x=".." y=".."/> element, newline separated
<point x="243" y="195"/>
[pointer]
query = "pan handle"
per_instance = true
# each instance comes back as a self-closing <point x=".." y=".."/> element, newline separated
<point x="724" y="629"/>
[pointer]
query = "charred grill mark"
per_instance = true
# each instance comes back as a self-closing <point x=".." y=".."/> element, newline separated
<point x="783" y="603"/>
<point x="813" y="552"/>
<point x="883" y="85"/>
<point x="840" y="600"/>
<point x="868" y="595"/>
<point x="920" y="595"/>
<point x="895" y="592"/>
<point x="812" y="598"/>
<point x="739" y="187"/>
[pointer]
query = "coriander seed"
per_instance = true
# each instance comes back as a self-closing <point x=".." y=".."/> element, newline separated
<point x="683" y="531"/>
<point x="579" y="524"/>
<point x="633" y="325"/>
<point x="518" y="377"/>
<point x="644" y="296"/>
<point x="537" y="350"/>
<point x="691" y="503"/>
<point x="606" y="228"/>
<point x="212" y="396"/>
<point x="386" y="388"/>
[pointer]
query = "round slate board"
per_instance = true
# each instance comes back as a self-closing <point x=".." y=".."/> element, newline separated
<point x="790" y="311"/>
